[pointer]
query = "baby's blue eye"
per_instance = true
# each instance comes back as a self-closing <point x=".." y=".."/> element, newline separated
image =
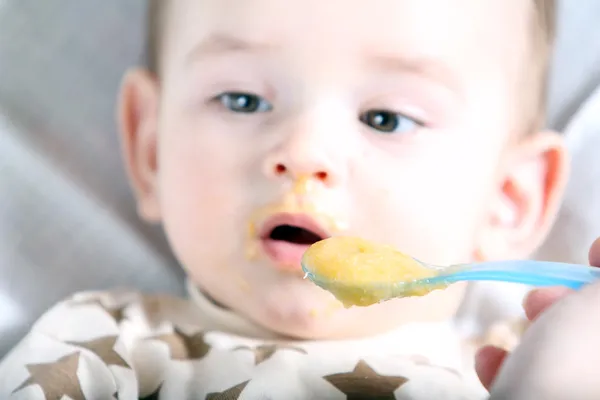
<point x="244" y="102"/>
<point x="389" y="122"/>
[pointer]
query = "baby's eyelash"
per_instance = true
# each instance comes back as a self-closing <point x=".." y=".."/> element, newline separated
<point x="386" y="121"/>
<point x="243" y="102"/>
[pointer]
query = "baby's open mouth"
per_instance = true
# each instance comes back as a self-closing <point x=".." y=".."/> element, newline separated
<point x="294" y="234"/>
<point x="285" y="238"/>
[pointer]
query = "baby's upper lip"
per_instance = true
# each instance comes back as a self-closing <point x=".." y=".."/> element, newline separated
<point x="299" y="220"/>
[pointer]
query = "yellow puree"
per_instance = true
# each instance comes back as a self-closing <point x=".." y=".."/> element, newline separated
<point x="362" y="273"/>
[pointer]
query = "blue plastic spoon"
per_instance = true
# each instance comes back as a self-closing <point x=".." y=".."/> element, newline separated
<point x="534" y="273"/>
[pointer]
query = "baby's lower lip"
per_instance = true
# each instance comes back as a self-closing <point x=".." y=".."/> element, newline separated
<point x="285" y="255"/>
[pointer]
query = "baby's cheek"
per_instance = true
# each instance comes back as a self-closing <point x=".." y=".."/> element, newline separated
<point x="190" y="219"/>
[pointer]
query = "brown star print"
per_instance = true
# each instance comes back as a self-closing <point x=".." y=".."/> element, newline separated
<point x="155" y="310"/>
<point x="263" y="353"/>
<point x="230" y="394"/>
<point x="116" y="313"/>
<point x="56" y="379"/>
<point x="104" y="348"/>
<point x="151" y="305"/>
<point x="365" y="383"/>
<point x="185" y="347"/>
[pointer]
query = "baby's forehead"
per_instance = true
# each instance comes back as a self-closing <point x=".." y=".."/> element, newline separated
<point x="442" y="26"/>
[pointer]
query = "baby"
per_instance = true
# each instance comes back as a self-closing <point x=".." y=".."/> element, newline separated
<point x="260" y="127"/>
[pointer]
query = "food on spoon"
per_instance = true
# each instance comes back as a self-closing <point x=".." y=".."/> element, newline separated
<point x="361" y="273"/>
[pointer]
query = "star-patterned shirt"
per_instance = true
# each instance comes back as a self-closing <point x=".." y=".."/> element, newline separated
<point x="127" y="346"/>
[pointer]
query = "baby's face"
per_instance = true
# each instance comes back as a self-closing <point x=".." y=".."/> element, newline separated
<point x="280" y="123"/>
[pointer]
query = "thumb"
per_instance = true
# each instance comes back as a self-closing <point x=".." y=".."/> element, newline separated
<point x="595" y="253"/>
<point x="488" y="361"/>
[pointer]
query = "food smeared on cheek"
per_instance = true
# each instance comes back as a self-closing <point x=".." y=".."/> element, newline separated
<point x="252" y="248"/>
<point x="303" y="197"/>
<point x="251" y="229"/>
<point x="327" y="311"/>
<point x="361" y="273"/>
<point x="243" y="285"/>
<point x="332" y="308"/>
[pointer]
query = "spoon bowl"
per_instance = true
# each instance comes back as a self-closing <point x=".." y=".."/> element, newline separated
<point x="363" y="292"/>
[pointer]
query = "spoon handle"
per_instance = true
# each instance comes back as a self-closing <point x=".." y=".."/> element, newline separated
<point x="528" y="272"/>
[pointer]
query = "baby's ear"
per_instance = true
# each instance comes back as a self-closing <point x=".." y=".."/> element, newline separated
<point x="530" y="188"/>
<point x="138" y="123"/>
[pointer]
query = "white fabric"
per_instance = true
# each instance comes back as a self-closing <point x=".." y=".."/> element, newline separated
<point x="67" y="221"/>
<point x="126" y="346"/>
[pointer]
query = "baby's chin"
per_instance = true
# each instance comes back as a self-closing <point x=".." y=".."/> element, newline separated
<point x="303" y="311"/>
<point x="309" y="313"/>
<point x="329" y="322"/>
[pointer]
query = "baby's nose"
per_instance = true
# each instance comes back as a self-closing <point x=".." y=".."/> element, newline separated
<point x="301" y="158"/>
<point x="319" y="143"/>
<point x="320" y="174"/>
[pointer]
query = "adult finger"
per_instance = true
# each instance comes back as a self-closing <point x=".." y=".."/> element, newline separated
<point x="558" y="358"/>
<point x="539" y="300"/>
<point x="595" y="253"/>
<point x="488" y="361"/>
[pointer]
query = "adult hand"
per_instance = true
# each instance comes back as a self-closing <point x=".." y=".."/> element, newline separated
<point x="490" y="359"/>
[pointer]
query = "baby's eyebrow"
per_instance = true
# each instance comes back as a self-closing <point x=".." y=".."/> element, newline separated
<point x="222" y="43"/>
<point x="428" y="67"/>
